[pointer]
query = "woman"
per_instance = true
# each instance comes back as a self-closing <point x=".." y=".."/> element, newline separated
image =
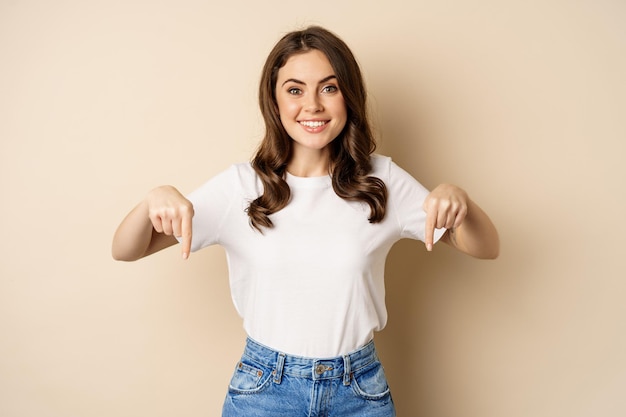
<point x="307" y="226"/>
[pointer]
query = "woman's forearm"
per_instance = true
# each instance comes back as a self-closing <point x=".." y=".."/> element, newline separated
<point x="477" y="235"/>
<point x="133" y="236"/>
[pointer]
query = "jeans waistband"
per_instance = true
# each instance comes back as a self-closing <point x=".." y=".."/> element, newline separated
<point x="312" y="368"/>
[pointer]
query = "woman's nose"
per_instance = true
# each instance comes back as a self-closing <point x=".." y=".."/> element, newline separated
<point x="314" y="104"/>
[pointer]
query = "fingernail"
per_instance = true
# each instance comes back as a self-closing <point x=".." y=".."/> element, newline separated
<point x="185" y="255"/>
<point x="429" y="247"/>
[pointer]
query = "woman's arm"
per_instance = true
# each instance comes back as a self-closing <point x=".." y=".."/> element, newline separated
<point x="153" y="225"/>
<point x="469" y="228"/>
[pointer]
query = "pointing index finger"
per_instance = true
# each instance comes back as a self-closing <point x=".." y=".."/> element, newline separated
<point x="429" y="232"/>
<point x="186" y="235"/>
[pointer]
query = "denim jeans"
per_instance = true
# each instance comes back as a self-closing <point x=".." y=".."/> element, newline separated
<point x="269" y="383"/>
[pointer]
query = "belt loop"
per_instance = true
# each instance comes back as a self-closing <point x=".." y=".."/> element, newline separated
<point x="347" y="372"/>
<point x="280" y="364"/>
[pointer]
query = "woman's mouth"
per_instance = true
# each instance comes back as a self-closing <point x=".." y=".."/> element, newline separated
<point x="313" y="126"/>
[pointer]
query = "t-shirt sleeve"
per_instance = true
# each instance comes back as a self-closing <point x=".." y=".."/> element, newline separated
<point x="407" y="197"/>
<point x="211" y="203"/>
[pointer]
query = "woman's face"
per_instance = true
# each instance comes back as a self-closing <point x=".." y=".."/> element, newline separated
<point x="310" y="104"/>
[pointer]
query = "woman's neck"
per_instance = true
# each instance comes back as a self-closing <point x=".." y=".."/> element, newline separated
<point x="309" y="163"/>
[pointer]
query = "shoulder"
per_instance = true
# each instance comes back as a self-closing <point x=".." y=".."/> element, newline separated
<point x="395" y="177"/>
<point x="381" y="166"/>
<point x="245" y="177"/>
<point x="386" y="169"/>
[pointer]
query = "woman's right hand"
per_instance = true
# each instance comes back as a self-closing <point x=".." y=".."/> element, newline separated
<point x="171" y="214"/>
<point x="153" y="225"/>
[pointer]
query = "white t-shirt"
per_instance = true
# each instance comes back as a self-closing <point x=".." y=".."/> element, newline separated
<point x="313" y="285"/>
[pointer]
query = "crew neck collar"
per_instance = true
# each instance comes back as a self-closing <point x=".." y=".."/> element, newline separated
<point x="308" y="182"/>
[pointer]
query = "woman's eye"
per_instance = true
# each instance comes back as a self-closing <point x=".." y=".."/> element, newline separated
<point x="294" y="91"/>
<point x="330" y="89"/>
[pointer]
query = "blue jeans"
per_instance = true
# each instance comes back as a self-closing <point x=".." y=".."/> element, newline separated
<point x="269" y="383"/>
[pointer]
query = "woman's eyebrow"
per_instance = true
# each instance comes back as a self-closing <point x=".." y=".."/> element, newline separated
<point x="322" y="81"/>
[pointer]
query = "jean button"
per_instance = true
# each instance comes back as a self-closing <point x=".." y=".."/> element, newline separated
<point x="320" y="369"/>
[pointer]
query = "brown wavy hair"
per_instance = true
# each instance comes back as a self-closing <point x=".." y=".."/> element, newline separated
<point x="349" y="152"/>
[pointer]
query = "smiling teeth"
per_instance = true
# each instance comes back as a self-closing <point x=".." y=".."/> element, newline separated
<point x="313" y="124"/>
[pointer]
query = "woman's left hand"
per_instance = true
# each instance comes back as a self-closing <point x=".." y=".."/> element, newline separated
<point x="445" y="207"/>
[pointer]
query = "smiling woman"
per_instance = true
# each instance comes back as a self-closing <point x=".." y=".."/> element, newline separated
<point x="315" y="209"/>
<point x="347" y="157"/>
<point x="312" y="111"/>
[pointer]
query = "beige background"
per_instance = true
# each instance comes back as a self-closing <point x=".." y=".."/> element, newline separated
<point x="523" y="103"/>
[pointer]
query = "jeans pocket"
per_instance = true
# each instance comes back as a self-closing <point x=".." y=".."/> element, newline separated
<point x="249" y="378"/>
<point x="371" y="383"/>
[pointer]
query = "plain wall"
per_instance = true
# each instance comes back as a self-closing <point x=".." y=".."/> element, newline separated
<point x="522" y="103"/>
